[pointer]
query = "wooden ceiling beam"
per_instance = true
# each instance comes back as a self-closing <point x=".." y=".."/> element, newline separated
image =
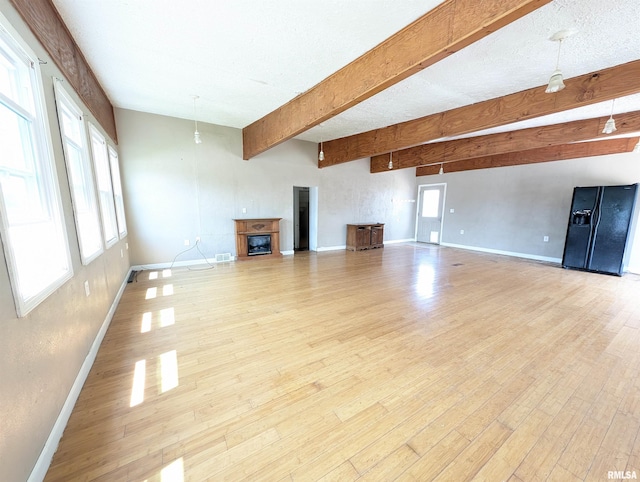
<point x="533" y="156"/>
<point x="583" y="90"/>
<point x="46" y="24"/>
<point x="505" y="142"/>
<point x="451" y="26"/>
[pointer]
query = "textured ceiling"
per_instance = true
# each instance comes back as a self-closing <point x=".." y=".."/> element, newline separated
<point x="246" y="58"/>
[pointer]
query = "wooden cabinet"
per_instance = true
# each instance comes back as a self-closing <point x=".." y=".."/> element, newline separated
<point x="365" y="236"/>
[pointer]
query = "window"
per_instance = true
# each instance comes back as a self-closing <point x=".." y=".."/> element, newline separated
<point x="117" y="192"/>
<point x="105" y="190"/>
<point x="83" y="194"/>
<point x="32" y="226"/>
<point x="431" y="203"/>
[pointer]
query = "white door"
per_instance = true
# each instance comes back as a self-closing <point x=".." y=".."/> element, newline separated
<point x="429" y="216"/>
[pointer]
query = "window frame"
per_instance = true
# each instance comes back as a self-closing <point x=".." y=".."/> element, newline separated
<point x="118" y="198"/>
<point x="64" y="101"/>
<point x="51" y="217"/>
<point x="106" y="200"/>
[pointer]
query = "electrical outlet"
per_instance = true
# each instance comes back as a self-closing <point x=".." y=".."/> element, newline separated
<point x="86" y="288"/>
<point x="126" y="245"/>
<point x="244" y="210"/>
<point x="186" y="242"/>
<point x="197" y="239"/>
<point x="546" y="239"/>
<point x="452" y="210"/>
<point x="462" y="231"/>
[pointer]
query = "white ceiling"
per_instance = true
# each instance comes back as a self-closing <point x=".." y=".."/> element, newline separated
<point x="245" y="58"/>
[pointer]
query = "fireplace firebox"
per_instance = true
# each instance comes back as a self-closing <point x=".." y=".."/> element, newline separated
<point x="258" y="244"/>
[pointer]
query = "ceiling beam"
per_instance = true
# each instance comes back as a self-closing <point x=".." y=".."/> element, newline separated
<point x="583" y="90"/>
<point x="533" y="156"/>
<point x="504" y="142"/>
<point x="46" y="24"/>
<point x="449" y="27"/>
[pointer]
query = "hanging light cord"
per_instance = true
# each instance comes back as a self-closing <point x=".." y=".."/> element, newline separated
<point x="613" y="103"/>
<point x="195" y="117"/>
<point x="558" y="59"/>
<point x="321" y="153"/>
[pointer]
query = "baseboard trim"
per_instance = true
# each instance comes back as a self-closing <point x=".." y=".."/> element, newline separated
<point x="51" y="445"/>
<point x="178" y="264"/>
<point x="331" y="248"/>
<point x="337" y="248"/>
<point x="395" y="241"/>
<point x="505" y="253"/>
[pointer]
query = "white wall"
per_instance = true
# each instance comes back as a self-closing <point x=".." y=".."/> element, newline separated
<point x="511" y="209"/>
<point x="176" y="190"/>
<point x="42" y="353"/>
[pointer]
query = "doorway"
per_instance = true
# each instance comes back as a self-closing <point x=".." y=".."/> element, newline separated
<point x="430" y="213"/>
<point x="301" y="218"/>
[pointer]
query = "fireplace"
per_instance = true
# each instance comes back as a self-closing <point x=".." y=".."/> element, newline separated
<point x="258" y="244"/>
<point x="257" y="238"/>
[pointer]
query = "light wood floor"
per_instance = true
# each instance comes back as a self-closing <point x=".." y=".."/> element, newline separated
<point x="407" y="363"/>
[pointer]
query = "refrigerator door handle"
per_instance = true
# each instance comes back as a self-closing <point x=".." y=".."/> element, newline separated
<point x="595" y="223"/>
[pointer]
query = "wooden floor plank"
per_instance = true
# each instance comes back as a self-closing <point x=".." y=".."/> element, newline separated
<point x="413" y="362"/>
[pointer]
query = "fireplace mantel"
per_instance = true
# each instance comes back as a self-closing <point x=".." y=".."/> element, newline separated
<point x="252" y="227"/>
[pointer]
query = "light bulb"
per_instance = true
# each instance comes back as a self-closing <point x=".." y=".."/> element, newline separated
<point x="556" y="83"/>
<point x="390" y="165"/>
<point x="441" y="172"/>
<point x="610" y="126"/>
<point x="196" y="134"/>
<point x="321" y="156"/>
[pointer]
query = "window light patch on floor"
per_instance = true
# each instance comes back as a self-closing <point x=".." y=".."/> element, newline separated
<point x="174" y="472"/>
<point x="139" y="377"/>
<point x="146" y="322"/>
<point x="167" y="290"/>
<point x="168" y="370"/>
<point x="167" y="317"/>
<point x="151" y="293"/>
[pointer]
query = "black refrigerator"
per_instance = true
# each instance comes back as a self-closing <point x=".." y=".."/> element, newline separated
<point x="599" y="225"/>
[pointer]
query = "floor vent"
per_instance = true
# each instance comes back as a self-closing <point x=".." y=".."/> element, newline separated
<point x="221" y="258"/>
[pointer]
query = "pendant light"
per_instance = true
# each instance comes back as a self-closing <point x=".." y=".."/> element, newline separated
<point x="196" y="134"/>
<point x="610" y="125"/>
<point x="390" y="165"/>
<point x="441" y="172"/>
<point x="556" y="83"/>
<point x="321" y="153"/>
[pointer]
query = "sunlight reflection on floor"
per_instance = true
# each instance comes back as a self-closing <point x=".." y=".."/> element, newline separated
<point x="425" y="281"/>
<point x="168" y="370"/>
<point x="137" y="391"/>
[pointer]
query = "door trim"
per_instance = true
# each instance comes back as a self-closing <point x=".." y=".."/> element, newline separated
<point x="444" y="197"/>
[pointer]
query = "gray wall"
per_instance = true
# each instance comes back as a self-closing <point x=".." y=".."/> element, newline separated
<point x="512" y="208"/>
<point x="41" y="354"/>
<point x="177" y="190"/>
